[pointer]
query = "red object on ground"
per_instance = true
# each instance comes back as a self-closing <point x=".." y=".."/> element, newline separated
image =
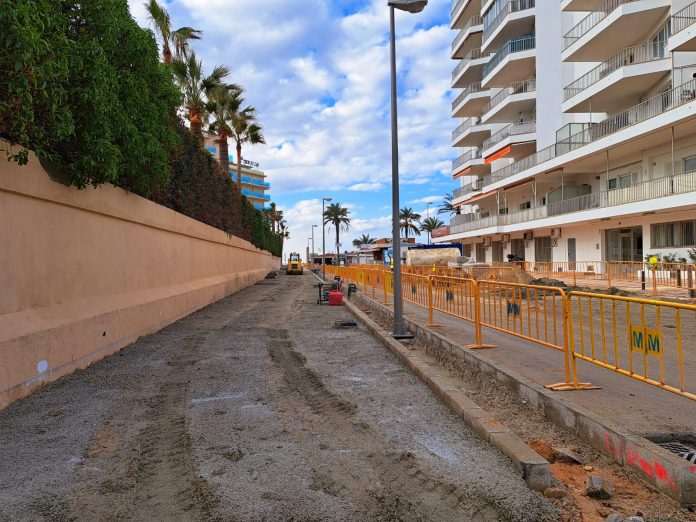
<point x="335" y="298"/>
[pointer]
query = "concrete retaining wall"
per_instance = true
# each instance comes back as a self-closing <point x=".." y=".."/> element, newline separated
<point x="84" y="273"/>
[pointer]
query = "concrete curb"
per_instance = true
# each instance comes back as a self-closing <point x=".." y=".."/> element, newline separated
<point x="655" y="465"/>
<point x="535" y="470"/>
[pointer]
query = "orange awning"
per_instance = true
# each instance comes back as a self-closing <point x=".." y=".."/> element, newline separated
<point x="497" y="155"/>
<point x="477" y="198"/>
<point x="519" y="183"/>
<point x="462" y="173"/>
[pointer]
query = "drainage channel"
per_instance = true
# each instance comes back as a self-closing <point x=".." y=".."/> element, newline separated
<point x="685" y="447"/>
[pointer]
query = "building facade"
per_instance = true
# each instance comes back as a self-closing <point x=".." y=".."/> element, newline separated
<point x="575" y="124"/>
<point x="254" y="184"/>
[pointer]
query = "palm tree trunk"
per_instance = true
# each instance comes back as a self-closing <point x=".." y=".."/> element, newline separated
<point x="167" y="54"/>
<point x="195" y="119"/>
<point x="224" y="153"/>
<point x="239" y="166"/>
<point x="337" y="241"/>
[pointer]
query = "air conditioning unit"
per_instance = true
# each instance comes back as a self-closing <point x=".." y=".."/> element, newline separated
<point x="487" y="241"/>
<point x="528" y="235"/>
<point x="505" y="238"/>
<point x="554" y="241"/>
<point x="556" y="233"/>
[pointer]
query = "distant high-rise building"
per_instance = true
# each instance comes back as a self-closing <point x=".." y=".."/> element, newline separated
<point x="575" y="122"/>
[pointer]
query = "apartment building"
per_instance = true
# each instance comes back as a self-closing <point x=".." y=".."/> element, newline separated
<point x="575" y="125"/>
<point x="254" y="184"/>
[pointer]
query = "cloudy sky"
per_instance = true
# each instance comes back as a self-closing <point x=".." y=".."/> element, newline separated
<point x="318" y="73"/>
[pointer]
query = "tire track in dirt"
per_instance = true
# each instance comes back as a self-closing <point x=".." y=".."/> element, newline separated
<point x="390" y="485"/>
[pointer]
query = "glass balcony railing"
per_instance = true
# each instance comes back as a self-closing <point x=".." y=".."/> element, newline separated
<point x="647" y="52"/>
<point x="471" y="22"/>
<point x="512" y="6"/>
<point x="250" y="180"/>
<point x="467" y="156"/>
<point x="474" y="120"/>
<point x="456" y="4"/>
<point x="514" y="45"/>
<point x="474" y="87"/>
<point x="513" y="129"/>
<point x="655" y="106"/>
<point x="515" y="88"/>
<point x="254" y="194"/>
<point x="680" y="183"/>
<point x="474" y="54"/>
<point x="470" y="187"/>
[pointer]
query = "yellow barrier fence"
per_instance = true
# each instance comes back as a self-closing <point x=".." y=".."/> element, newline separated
<point x="640" y="338"/>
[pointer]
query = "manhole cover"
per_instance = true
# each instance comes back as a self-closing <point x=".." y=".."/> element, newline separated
<point x="686" y="449"/>
<point x="345" y="324"/>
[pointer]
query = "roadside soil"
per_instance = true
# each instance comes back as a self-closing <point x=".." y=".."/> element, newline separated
<point x="254" y="408"/>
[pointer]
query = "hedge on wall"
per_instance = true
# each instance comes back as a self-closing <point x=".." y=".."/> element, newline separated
<point x="82" y="85"/>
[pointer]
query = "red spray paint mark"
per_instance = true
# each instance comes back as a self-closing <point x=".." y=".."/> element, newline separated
<point x="692" y="469"/>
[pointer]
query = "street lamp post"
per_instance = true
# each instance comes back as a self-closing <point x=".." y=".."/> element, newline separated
<point x="308" y="248"/>
<point x="411" y="6"/>
<point x="313" y="227"/>
<point x="323" y="238"/>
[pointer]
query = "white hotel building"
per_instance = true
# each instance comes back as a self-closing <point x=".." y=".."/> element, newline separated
<point x="576" y="126"/>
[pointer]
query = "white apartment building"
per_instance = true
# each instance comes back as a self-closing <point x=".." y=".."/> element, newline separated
<point x="576" y="123"/>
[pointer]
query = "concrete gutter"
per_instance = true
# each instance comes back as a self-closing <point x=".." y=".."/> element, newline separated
<point x="535" y="470"/>
<point x="653" y="464"/>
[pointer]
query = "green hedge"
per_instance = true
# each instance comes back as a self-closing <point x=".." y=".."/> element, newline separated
<point x="81" y="85"/>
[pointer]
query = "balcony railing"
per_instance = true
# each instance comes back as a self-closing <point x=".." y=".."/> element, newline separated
<point x="474" y="87"/>
<point x="512" y="6"/>
<point x="683" y="19"/>
<point x="515" y="88"/>
<point x="467" y="156"/>
<point x="592" y="19"/>
<point x="474" y="20"/>
<point x="471" y="55"/>
<point x="464" y="126"/>
<point x="470" y="187"/>
<point x="655" y="106"/>
<point x="647" y="190"/>
<point x="511" y="130"/>
<point x="643" y="53"/>
<point x="456" y="4"/>
<point x="514" y="45"/>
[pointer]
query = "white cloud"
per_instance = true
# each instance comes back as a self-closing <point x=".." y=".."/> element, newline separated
<point x="427" y="199"/>
<point x="365" y="187"/>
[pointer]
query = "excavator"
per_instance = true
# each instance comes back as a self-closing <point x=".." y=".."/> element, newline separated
<point x="294" y="264"/>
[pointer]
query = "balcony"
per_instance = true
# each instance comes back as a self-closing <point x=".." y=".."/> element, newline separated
<point x="467" y="189"/>
<point x="470" y="133"/>
<point x="250" y="181"/>
<point x="618" y="81"/>
<point x="465" y="36"/>
<point x="655" y="106"/>
<point x="678" y="184"/>
<point x="469" y="69"/>
<point x="515" y="61"/>
<point x="254" y="194"/>
<point x="515" y="140"/>
<point x="580" y="5"/>
<point x="683" y="29"/>
<point x="468" y="164"/>
<point x="615" y="25"/>
<point x="515" y="18"/>
<point x="506" y="105"/>
<point x="470" y="101"/>
<point x="459" y="9"/>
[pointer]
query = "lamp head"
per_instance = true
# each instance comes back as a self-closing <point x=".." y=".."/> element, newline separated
<point x="327" y="199"/>
<point x="411" y="6"/>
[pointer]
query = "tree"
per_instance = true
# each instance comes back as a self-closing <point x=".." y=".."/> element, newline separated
<point x="446" y="207"/>
<point x="365" y="239"/>
<point x="224" y="102"/>
<point x="430" y="224"/>
<point x="337" y="216"/>
<point x="196" y="88"/>
<point x="407" y="221"/>
<point x="245" y="129"/>
<point x="178" y="38"/>
<point x="274" y="215"/>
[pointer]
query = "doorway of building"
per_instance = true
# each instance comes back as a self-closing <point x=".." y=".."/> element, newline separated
<point x="625" y="247"/>
<point x="517" y="248"/>
<point x="497" y="247"/>
<point x="571" y="253"/>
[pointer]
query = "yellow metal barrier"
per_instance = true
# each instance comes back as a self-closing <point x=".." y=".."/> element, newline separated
<point x="640" y="338"/>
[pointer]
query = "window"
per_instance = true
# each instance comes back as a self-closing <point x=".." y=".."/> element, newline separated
<point x="526" y="205"/>
<point x="621" y="182"/>
<point x="517" y="248"/>
<point x="466" y="250"/>
<point x="690" y="164"/>
<point x="542" y="249"/>
<point x="502" y="210"/>
<point x="480" y="253"/>
<point x="675" y="234"/>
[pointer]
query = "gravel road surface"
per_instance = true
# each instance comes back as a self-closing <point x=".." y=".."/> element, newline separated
<point x="254" y="408"/>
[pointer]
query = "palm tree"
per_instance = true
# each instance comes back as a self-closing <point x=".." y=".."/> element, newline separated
<point x="365" y="239"/>
<point x="245" y="129"/>
<point x="275" y="215"/>
<point x="337" y="215"/>
<point x="223" y="103"/>
<point x="196" y="88"/>
<point x="446" y="207"/>
<point x="407" y="221"/>
<point x="283" y="229"/>
<point x="430" y="224"/>
<point x="178" y="38"/>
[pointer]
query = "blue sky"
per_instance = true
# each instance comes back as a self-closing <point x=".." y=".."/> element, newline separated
<point x="318" y="73"/>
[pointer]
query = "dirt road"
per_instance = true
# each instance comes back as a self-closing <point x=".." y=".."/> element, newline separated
<point x="254" y="408"/>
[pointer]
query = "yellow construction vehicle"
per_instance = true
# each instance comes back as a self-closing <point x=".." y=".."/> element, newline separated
<point x="294" y="264"/>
